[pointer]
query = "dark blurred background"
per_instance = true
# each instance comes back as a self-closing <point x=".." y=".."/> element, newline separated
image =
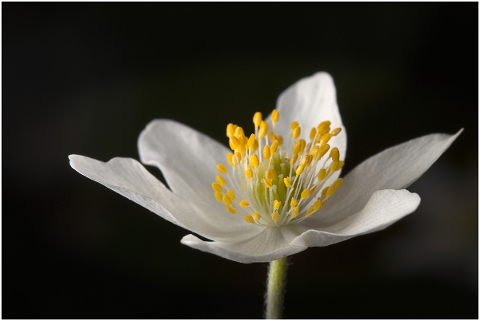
<point x="86" y="78"/>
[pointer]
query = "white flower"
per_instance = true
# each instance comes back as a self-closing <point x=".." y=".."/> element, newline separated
<point x="276" y="212"/>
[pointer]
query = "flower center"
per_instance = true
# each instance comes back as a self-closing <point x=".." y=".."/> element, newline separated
<point x="273" y="186"/>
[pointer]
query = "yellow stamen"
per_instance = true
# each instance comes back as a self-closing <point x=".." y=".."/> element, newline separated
<point x="239" y="133"/>
<point x="256" y="216"/>
<point x="262" y="132"/>
<point x="249" y="219"/>
<point x="336" y="131"/>
<point x="218" y="196"/>
<point x="275" y="216"/>
<point x="313" y="133"/>
<point x="287" y="181"/>
<point x="227" y="199"/>
<point x="267" y="182"/>
<point x="306" y="160"/>
<point x="276" y="204"/>
<point x="293" y="125"/>
<point x="330" y="191"/>
<point x="248" y="173"/>
<point x="253" y="143"/>
<point x="244" y="203"/>
<point x="296" y="132"/>
<point x="221" y="181"/>
<point x="305" y="193"/>
<point x="324" y="139"/>
<point x="230" y="130"/>
<point x="216" y="187"/>
<point x="300" y="169"/>
<point x="274" y="147"/>
<point x="257" y="118"/>
<point x="309" y="212"/>
<point x="335" y="154"/>
<point x="338" y="183"/>
<point x="279" y="138"/>
<point x="293" y="202"/>
<point x="321" y="174"/>
<point x="231" y="194"/>
<point x="271" y="174"/>
<point x="295" y="212"/>
<point x="231" y="209"/>
<point x="317" y="205"/>
<point x="254" y="160"/>
<point x="266" y="152"/>
<point x="230" y="159"/>
<point x="222" y="169"/>
<point x="274" y="116"/>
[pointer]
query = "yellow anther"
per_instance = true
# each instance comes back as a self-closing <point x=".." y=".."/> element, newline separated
<point x="218" y="196"/>
<point x="287" y="181"/>
<point x="230" y="209"/>
<point x="321" y="174"/>
<point x="274" y="116"/>
<point x="302" y="145"/>
<point x="253" y="143"/>
<point x="338" y="183"/>
<point x="230" y="159"/>
<point x="254" y="160"/>
<point x="239" y="133"/>
<point x="317" y="205"/>
<point x="230" y="130"/>
<point x="324" y="124"/>
<point x="249" y="219"/>
<point x="216" y="187"/>
<point x="271" y="136"/>
<point x="306" y="160"/>
<point x="222" y="169"/>
<point x="256" y="216"/>
<point x="324" y="191"/>
<point x="249" y="173"/>
<point x="330" y="191"/>
<point x="293" y="202"/>
<point x="336" y="165"/>
<point x="336" y="131"/>
<point x="314" y="152"/>
<point x="234" y="143"/>
<point x="313" y="132"/>
<point x="230" y="143"/>
<point x="275" y="216"/>
<point x="293" y="125"/>
<point x="271" y="174"/>
<point x="276" y="204"/>
<point x="309" y="212"/>
<point x="237" y="158"/>
<point x="294" y="159"/>
<point x="305" y="193"/>
<point x="221" y="181"/>
<point x="262" y="132"/>
<point x="267" y="182"/>
<point x="227" y="199"/>
<point x="274" y="147"/>
<point x="296" y="132"/>
<point x="266" y="152"/>
<point x="295" y="211"/>
<point x="300" y="169"/>
<point x="325" y="138"/>
<point x="257" y="118"/>
<point x="279" y="138"/>
<point x="335" y="154"/>
<point x="323" y="150"/>
<point x="244" y="203"/>
<point x="231" y="194"/>
<point x="296" y="148"/>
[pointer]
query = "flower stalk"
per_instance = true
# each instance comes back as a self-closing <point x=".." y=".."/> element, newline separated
<point x="275" y="288"/>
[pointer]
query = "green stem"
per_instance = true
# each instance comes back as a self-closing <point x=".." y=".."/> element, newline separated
<point x="275" y="292"/>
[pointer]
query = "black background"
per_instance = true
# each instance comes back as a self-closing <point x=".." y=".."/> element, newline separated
<point x="86" y="78"/>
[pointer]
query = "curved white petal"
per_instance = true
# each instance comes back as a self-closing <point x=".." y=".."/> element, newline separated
<point x="384" y="208"/>
<point x="269" y="245"/>
<point x="395" y="168"/>
<point x="310" y="101"/>
<point x="129" y="178"/>
<point x="186" y="157"/>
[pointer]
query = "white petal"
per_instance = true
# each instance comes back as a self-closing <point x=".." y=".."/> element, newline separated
<point x="394" y="168"/>
<point x="310" y="101"/>
<point x="129" y="178"/>
<point x="186" y="157"/>
<point x="269" y="245"/>
<point x="384" y="208"/>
